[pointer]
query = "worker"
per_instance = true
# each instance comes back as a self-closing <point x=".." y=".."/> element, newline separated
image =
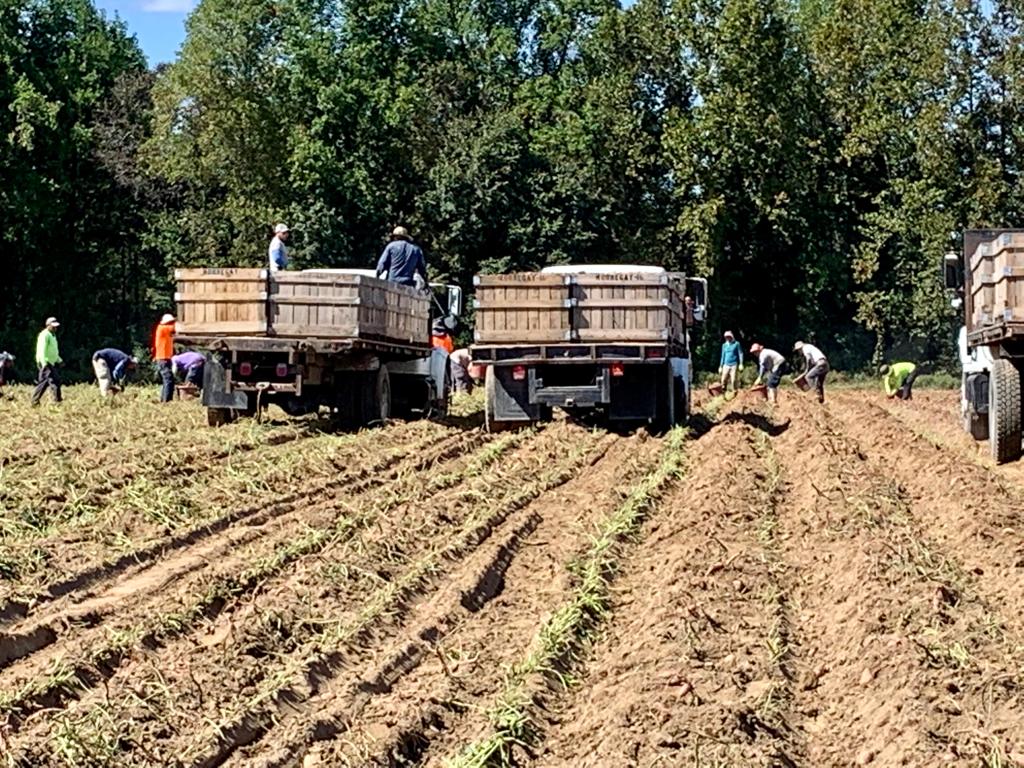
<point x="898" y="380"/>
<point x="163" y="351"/>
<point x="770" y="367"/>
<point x="461" y="362"/>
<point x="6" y="366"/>
<point x="189" y="365"/>
<point x="111" y="367"/>
<point x="730" y="362"/>
<point x="441" y="337"/>
<point x="815" y="367"/>
<point x="277" y="253"/>
<point x="402" y="261"/>
<point x="48" y="361"/>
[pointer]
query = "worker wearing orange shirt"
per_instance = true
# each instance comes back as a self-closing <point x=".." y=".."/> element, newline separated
<point x="163" y="351"/>
<point x="441" y="338"/>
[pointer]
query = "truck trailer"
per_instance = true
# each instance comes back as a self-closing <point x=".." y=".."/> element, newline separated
<point x="612" y="341"/>
<point x="989" y="279"/>
<point x="341" y="339"/>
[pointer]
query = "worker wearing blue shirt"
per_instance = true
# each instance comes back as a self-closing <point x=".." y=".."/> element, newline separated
<point x="730" y="362"/>
<point x="111" y="367"/>
<point x="403" y="261"/>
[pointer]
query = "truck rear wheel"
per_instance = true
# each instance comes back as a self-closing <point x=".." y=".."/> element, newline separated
<point x="377" y="404"/>
<point x="218" y="417"/>
<point x="1004" y="411"/>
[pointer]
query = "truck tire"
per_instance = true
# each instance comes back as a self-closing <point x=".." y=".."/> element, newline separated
<point x="218" y="417"/>
<point x="377" y="404"/>
<point x="1004" y="425"/>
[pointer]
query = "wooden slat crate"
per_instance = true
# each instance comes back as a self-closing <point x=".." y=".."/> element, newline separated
<point x="226" y="302"/>
<point x="522" y="307"/>
<point x="997" y="280"/>
<point x="324" y="305"/>
<point x="628" y="307"/>
<point x="311" y="304"/>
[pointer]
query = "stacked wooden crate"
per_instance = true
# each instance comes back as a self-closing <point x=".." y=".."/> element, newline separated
<point x="997" y="280"/>
<point x="312" y="304"/>
<point x="539" y="308"/>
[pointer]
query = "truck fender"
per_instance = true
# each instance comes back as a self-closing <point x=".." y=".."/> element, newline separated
<point x="216" y="390"/>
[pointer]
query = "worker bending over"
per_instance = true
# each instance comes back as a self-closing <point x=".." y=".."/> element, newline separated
<point x="730" y="362"/>
<point x="111" y="367"/>
<point x="815" y="367"/>
<point x="6" y="365"/>
<point x="770" y="367"/>
<point x="898" y="380"/>
<point x="190" y="366"/>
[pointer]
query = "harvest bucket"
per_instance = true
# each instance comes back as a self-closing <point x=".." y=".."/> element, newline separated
<point x="715" y="389"/>
<point x="801" y="382"/>
<point x="760" y="391"/>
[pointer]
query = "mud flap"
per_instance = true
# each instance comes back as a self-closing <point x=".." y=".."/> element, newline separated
<point x="216" y="393"/>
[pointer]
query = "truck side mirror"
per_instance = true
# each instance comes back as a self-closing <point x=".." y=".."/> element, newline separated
<point x="697" y="292"/>
<point x="952" y="277"/>
<point x="455" y="300"/>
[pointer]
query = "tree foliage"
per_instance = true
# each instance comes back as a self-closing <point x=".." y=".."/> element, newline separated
<point x="813" y="157"/>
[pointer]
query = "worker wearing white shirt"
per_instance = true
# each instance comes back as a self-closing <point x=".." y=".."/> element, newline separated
<point x="770" y="367"/>
<point x="815" y="367"/>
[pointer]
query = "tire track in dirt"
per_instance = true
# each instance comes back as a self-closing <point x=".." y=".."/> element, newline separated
<point x="973" y="513"/>
<point x="292" y="631"/>
<point x="91" y="572"/>
<point x="209" y="569"/>
<point x="686" y="670"/>
<point x="896" y="658"/>
<point x="426" y="692"/>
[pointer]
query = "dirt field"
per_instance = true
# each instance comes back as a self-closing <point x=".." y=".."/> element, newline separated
<point x="806" y="587"/>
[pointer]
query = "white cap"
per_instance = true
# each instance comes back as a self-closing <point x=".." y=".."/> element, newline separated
<point x="798" y="346"/>
<point x="728" y="335"/>
<point x="400" y="232"/>
<point x="281" y="228"/>
<point x="168" y="318"/>
<point x="51" y="321"/>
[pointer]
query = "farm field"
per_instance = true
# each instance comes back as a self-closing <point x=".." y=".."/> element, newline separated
<point x="805" y="587"/>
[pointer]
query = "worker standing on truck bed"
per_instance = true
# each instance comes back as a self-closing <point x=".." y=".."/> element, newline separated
<point x="163" y="351"/>
<point x="111" y="367"/>
<point x="770" y="367"/>
<point x="403" y="261"/>
<point x="48" y="360"/>
<point x="278" y="253"/>
<point x="815" y="367"/>
<point x="190" y="365"/>
<point x="730" y="362"/>
<point x="898" y="380"/>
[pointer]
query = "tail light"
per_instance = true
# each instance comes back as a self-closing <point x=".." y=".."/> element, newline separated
<point x="655" y="353"/>
<point x="281" y="370"/>
<point x="617" y="369"/>
<point x="245" y="369"/>
<point x="519" y="372"/>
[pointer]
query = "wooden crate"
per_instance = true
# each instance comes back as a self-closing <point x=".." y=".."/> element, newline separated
<point x="312" y="304"/>
<point x="997" y="281"/>
<point x="522" y="308"/>
<point x="628" y="307"/>
<point x="225" y="302"/>
<point x="332" y="305"/>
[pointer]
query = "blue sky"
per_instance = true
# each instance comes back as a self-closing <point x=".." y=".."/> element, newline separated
<point x="159" y="25"/>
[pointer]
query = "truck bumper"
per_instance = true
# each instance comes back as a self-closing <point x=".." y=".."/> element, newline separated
<point x="580" y="396"/>
<point x="217" y="390"/>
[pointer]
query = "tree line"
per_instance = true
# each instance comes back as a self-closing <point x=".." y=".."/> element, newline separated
<point x="813" y="158"/>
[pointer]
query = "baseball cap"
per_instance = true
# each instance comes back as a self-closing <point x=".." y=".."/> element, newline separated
<point x="168" y="318"/>
<point x="52" y="321"/>
<point x="281" y="228"/>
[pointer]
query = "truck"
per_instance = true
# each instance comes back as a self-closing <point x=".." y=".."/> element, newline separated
<point x="605" y="341"/>
<point x="988" y="277"/>
<point x="335" y="338"/>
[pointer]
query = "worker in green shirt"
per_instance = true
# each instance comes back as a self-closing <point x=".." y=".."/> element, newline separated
<point x="48" y="360"/>
<point x="898" y="380"/>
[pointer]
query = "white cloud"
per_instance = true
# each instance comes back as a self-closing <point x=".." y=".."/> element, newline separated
<point x="168" y="6"/>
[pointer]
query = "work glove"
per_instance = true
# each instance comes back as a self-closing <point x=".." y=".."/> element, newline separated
<point x="741" y="366"/>
<point x="719" y="370"/>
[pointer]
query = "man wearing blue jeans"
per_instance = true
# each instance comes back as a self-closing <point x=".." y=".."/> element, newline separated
<point x="730" y="362"/>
